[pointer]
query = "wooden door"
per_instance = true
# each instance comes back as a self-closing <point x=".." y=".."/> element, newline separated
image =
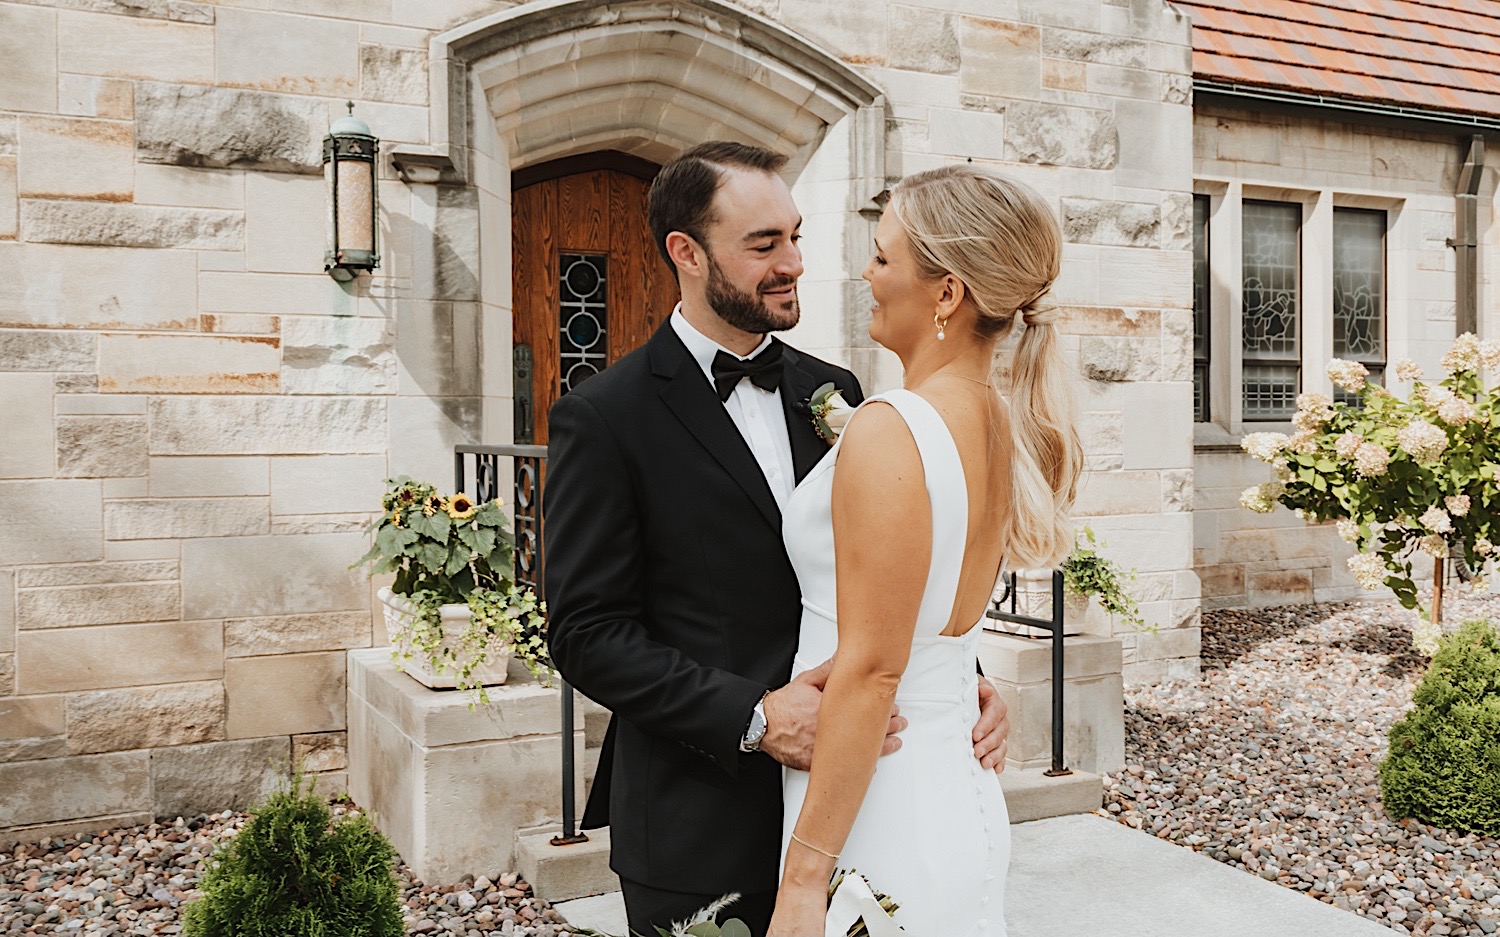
<point x="589" y="283"/>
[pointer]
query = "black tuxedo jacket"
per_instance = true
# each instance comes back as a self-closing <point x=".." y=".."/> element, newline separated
<point x="672" y="603"/>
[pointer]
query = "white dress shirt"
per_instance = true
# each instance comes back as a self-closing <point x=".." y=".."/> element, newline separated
<point x="756" y="413"/>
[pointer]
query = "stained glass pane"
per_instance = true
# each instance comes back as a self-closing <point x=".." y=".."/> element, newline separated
<point x="1359" y="285"/>
<point x="1269" y="323"/>
<point x="583" y="318"/>
<point x="1200" y="308"/>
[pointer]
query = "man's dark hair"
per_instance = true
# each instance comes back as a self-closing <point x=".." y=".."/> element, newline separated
<point x="682" y="197"/>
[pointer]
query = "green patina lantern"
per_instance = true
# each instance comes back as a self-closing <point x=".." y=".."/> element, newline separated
<point x="349" y="154"/>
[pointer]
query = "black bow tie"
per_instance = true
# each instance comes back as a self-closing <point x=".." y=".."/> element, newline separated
<point x="764" y="370"/>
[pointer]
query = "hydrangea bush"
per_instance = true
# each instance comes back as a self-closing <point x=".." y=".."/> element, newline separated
<point x="1399" y="476"/>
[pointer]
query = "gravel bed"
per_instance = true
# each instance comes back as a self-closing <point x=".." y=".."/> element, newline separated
<point x="136" y="880"/>
<point x="1268" y="762"/>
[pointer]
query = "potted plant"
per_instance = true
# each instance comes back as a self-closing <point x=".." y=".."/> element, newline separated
<point x="1088" y="575"/>
<point x="454" y="612"/>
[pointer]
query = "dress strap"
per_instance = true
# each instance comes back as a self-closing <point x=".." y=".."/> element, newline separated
<point x="948" y="494"/>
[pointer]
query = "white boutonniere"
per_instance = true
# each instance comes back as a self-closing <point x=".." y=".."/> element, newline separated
<point x="830" y="412"/>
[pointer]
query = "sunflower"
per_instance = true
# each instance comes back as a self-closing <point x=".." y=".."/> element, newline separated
<point x="396" y="518"/>
<point x="459" y="507"/>
<point x="432" y="505"/>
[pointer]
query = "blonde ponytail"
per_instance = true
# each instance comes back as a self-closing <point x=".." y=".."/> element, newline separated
<point x="1002" y="239"/>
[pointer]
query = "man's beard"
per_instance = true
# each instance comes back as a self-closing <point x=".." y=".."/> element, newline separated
<point x="749" y="312"/>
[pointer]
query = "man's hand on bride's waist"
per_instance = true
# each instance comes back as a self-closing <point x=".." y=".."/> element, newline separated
<point x="792" y="719"/>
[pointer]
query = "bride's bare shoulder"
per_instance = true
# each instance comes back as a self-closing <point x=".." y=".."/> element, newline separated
<point x="877" y="448"/>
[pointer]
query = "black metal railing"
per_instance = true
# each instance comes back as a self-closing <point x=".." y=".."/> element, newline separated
<point x="529" y="464"/>
<point x="1053" y="625"/>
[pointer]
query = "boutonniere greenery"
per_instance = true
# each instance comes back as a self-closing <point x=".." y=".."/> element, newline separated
<point x="830" y="412"/>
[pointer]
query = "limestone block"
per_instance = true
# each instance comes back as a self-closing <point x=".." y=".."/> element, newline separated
<point x="27" y="452"/>
<point x="198" y="364"/>
<point x="240" y="323"/>
<point x="102" y="604"/>
<point x="28" y="51"/>
<point x="437" y="349"/>
<point x="85" y="574"/>
<point x="1153" y="542"/>
<point x="232" y="775"/>
<point x="181" y="11"/>
<point x="1167" y="644"/>
<point x="252" y="577"/>
<point x="45" y="350"/>
<point x="1153" y="278"/>
<point x="296" y="54"/>
<point x="75" y="383"/>
<point x="52" y="149"/>
<point x="1064" y="75"/>
<point x="145" y="717"/>
<point x="337" y="355"/>
<point x="320" y="523"/>
<point x="923" y="40"/>
<point x="964" y="132"/>
<point x="71" y="788"/>
<point x="158" y="184"/>
<point x="424" y="431"/>
<point x="1176" y="221"/>
<point x="209" y="476"/>
<point x="1119" y="359"/>
<point x="1280" y="587"/>
<point x="455" y="245"/>
<point x="1109" y="320"/>
<point x="206" y="425"/>
<point x="124" y="289"/>
<point x="101" y="446"/>
<point x="274" y="293"/>
<point x="326" y="484"/>
<point x="128" y="47"/>
<point x="9" y="218"/>
<point x="7" y="611"/>
<point x="216" y="127"/>
<point x="1119" y="493"/>
<point x="31" y="717"/>
<point x="100" y="405"/>
<point x="129" y="225"/>
<point x="69" y="659"/>
<point x="1177" y="490"/>
<point x="844" y="27"/>
<point x="1096" y="48"/>
<point x="1101" y="431"/>
<point x="285" y="225"/>
<point x="1156" y="143"/>
<point x="999" y="59"/>
<point x="73" y="536"/>
<point x="157" y="518"/>
<point x="287" y="634"/>
<point x="1098" y="221"/>
<point x="396" y="75"/>
<point x="7" y="674"/>
<point x="88" y="96"/>
<point x="321" y="751"/>
<point x="1158" y="426"/>
<point x="285" y="694"/>
<point x="1061" y="136"/>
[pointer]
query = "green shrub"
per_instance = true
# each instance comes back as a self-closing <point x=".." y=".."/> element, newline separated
<point x="293" y="872"/>
<point x="1444" y="762"/>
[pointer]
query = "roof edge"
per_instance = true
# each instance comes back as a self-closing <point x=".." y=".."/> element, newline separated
<point x="1380" y="113"/>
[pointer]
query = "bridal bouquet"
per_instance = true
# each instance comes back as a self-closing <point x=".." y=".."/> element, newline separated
<point x="830" y="412"/>
<point x="854" y="910"/>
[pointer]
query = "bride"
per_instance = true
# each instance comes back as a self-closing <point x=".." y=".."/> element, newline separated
<point x="898" y="537"/>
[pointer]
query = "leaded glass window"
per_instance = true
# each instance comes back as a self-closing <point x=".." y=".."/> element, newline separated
<point x="583" y="318"/>
<point x="1270" y="317"/>
<point x="1200" y="308"/>
<point x="1359" y="291"/>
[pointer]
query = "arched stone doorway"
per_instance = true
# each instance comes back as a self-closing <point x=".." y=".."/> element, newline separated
<point x="647" y="78"/>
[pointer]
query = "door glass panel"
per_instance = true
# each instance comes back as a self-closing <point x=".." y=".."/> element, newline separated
<point x="1270" y="316"/>
<point x="583" y="318"/>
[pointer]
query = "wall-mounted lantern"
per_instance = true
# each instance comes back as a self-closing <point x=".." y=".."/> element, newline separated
<point x="349" y="154"/>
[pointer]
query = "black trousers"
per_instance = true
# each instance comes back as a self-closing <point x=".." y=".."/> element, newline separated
<point x="648" y="908"/>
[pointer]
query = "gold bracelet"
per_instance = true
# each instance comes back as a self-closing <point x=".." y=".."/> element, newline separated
<point x="815" y="849"/>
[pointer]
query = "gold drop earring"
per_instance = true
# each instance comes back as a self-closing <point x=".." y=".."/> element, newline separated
<point x="939" y="323"/>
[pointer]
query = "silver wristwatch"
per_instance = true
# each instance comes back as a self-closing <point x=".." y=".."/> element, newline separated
<point x="750" y="741"/>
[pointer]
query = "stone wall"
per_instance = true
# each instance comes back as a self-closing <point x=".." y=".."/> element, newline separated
<point x="198" y="419"/>
<point x="1246" y="559"/>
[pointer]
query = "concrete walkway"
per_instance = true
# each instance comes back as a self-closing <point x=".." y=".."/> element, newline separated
<point x="1088" y="875"/>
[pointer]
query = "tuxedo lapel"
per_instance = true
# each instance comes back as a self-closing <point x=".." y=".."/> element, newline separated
<point x="692" y="399"/>
<point x="797" y="388"/>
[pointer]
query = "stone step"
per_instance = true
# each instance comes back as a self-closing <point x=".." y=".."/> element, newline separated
<point x="562" y="873"/>
<point x="1031" y="795"/>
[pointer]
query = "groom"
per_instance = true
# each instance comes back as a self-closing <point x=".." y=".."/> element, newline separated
<point x="672" y="601"/>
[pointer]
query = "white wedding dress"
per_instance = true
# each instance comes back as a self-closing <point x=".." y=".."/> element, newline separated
<point x="933" y="831"/>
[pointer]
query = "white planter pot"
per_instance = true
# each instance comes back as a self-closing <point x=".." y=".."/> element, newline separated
<point x="455" y="620"/>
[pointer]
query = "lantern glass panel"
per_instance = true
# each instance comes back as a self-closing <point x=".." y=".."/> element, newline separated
<point x="355" y="224"/>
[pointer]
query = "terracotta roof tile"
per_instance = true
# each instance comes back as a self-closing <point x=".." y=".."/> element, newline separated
<point x="1435" y="54"/>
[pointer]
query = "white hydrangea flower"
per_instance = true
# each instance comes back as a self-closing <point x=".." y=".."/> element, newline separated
<point x="1266" y="447"/>
<point x="1483" y="547"/>
<point x="1458" y="505"/>
<point x="1282" y="472"/>
<point x="1489" y="353"/>
<point x="1464" y="355"/>
<point x="1423" y="441"/>
<point x="1425" y="636"/>
<point x="1304" y="441"/>
<point x="1350" y="375"/>
<point x="1451" y="408"/>
<point x="1368" y="570"/>
<point x="1406" y="369"/>
<point x="1479" y="584"/>
<point x="1348" y="530"/>
<point x="1347" y="444"/>
<point x="1435" y="546"/>
<point x="1371" y="460"/>
<point x="1261" y="498"/>
<point x="1313" y="410"/>
<point x="1437" y="520"/>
